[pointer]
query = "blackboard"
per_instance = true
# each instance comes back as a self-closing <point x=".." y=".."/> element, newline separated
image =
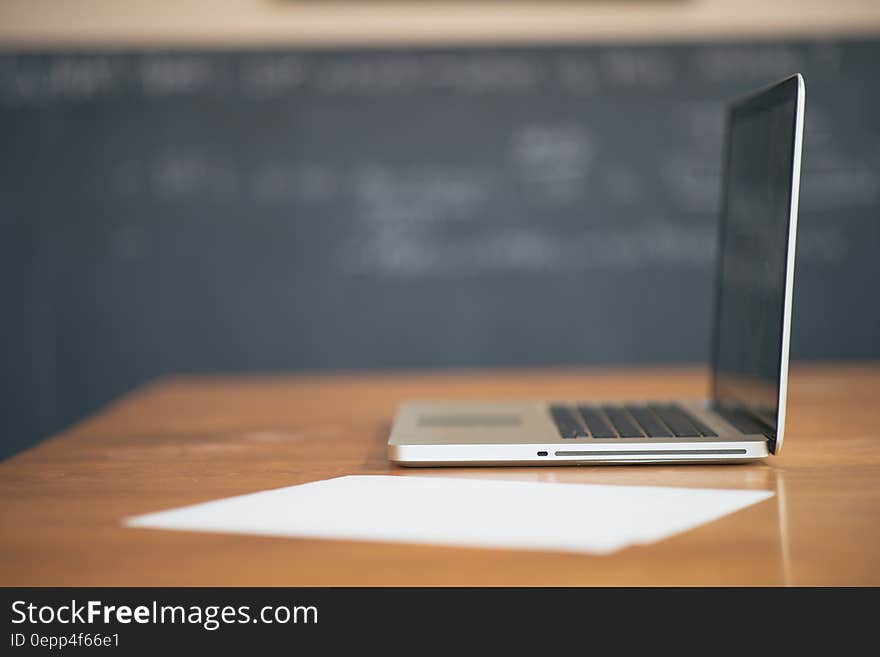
<point x="165" y="212"/>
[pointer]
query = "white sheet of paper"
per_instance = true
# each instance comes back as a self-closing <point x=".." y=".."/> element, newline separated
<point x="587" y="518"/>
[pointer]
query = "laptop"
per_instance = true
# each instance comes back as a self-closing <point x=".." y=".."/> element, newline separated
<point x="744" y="420"/>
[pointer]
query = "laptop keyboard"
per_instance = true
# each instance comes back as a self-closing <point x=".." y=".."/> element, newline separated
<point x="630" y="421"/>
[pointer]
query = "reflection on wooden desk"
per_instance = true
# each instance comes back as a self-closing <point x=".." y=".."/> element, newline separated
<point x="187" y="440"/>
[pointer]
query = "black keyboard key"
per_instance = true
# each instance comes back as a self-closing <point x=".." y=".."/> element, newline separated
<point x="742" y="421"/>
<point x="596" y="423"/>
<point x="706" y="431"/>
<point x="674" y="418"/>
<point x="624" y="424"/>
<point x="650" y="423"/>
<point x="566" y="422"/>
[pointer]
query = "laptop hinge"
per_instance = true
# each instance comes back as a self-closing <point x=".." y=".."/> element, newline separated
<point x="762" y="425"/>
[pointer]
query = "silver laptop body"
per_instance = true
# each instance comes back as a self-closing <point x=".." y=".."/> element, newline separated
<point x="745" y="418"/>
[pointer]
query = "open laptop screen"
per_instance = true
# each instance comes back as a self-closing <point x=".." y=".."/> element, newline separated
<point x="753" y="297"/>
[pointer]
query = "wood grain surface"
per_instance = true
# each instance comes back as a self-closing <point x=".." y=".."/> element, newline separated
<point x="186" y="440"/>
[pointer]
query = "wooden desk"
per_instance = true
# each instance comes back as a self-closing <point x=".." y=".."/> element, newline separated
<point x="188" y="440"/>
